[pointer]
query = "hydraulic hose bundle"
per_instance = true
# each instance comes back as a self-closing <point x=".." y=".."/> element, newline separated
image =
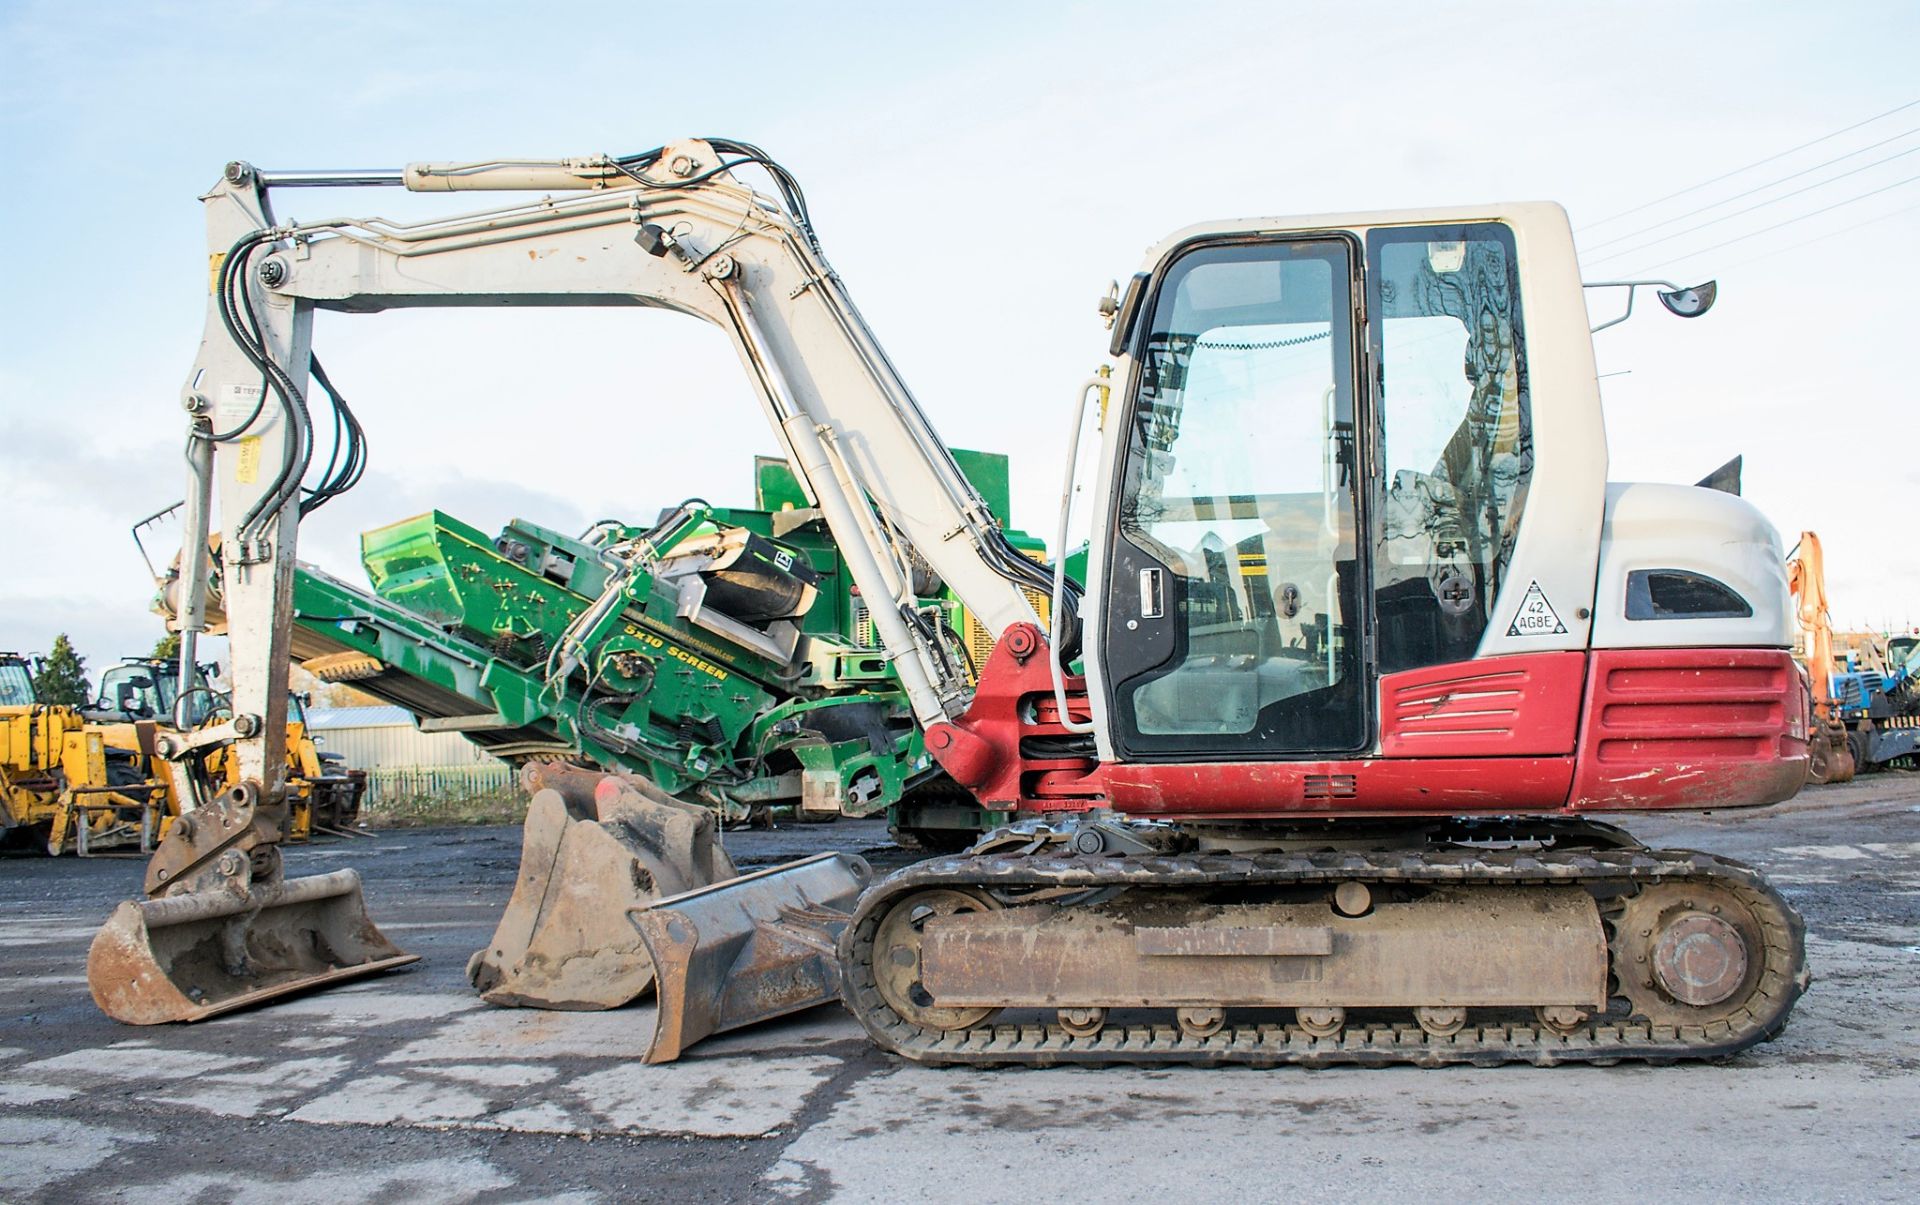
<point x="348" y="459"/>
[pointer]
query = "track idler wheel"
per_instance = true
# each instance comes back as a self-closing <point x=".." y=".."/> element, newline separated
<point x="1689" y="954"/>
<point x="896" y="957"/>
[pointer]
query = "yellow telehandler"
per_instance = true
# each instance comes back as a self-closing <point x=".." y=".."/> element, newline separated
<point x="63" y="782"/>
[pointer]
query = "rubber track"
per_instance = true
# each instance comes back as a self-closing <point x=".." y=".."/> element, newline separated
<point x="1783" y="977"/>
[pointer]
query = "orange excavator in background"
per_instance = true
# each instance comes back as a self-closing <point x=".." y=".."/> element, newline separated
<point x="1829" y="752"/>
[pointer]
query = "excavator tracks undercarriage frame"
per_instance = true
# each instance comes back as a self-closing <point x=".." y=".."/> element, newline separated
<point x="1646" y="1027"/>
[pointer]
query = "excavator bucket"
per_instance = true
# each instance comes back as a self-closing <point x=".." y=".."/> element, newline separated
<point x="748" y="950"/>
<point x="594" y="846"/>
<point x="196" y="955"/>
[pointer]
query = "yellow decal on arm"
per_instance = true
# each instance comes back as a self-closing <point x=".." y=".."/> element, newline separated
<point x="247" y="471"/>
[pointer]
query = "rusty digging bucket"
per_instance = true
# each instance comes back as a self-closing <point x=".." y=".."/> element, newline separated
<point x="747" y="950"/>
<point x="196" y="955"/>
<point x="595" y="845"/>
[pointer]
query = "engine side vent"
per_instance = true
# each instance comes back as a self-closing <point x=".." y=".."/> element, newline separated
<point x="1331" y="786"/>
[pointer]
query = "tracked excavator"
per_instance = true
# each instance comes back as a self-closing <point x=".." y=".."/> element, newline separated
<point x="1369" y="641"/>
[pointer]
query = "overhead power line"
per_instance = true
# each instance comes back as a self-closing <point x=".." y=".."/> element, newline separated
<point x="1872" y="146"/>
<point x="1749" y="167"/>
<point x="1849" y="228"/>
<point x="1778" y="225"/>
<point x="1725" y="217"/>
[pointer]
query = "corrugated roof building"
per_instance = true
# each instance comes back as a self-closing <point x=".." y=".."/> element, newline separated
<point x="400" y="760"/>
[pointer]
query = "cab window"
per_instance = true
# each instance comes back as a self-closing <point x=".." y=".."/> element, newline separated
<point x="1456" y="434"/>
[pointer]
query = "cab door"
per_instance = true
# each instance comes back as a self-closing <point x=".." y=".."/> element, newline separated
<point x="1236" y="622"/>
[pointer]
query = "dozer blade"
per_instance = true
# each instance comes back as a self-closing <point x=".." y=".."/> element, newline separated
<point x="757" y="947"/>
<point x="594" y="846"/>
<point x="196" y="955"/>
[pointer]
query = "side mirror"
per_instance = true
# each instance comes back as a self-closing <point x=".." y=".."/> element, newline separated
<point x="1690" y="303"/>
<point x="1680" y="301"/>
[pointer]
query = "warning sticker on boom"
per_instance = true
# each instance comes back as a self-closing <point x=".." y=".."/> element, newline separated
<point x="1536" y="616"/>
<point x="238" y="404"/>
<point x="246" y="470"/>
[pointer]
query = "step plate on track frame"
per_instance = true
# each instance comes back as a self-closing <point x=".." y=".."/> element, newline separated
<point x="1461" y="947"/>
<point x="1779" y="976"/>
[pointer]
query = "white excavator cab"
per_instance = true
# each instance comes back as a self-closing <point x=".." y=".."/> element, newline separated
<point x="1326" y="468"/>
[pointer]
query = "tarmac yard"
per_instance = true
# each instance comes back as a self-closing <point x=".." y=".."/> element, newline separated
<point x="408" y="1088"/>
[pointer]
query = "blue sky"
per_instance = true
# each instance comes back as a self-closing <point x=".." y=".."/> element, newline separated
<point x="978" y="173"/>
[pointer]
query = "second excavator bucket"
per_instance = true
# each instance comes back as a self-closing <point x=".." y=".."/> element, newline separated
<point x="595" y="844"/>
<point x="758" y="947"/>
<point x="196" y="955"/>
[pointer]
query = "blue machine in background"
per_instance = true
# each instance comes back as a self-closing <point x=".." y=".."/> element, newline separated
<point x="1880" y="704"/>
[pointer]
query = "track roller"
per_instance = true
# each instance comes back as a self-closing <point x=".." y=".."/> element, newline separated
<point x="1441" y="1022"/>
<point x="1083" y="1022"/>
<point x="1200" y="1022"/>
<point x="1562" y="1019"/>
<point x="1322" y="1022"/>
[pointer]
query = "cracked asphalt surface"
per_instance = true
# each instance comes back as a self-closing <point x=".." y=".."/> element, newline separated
<point x="408" y="1088"/>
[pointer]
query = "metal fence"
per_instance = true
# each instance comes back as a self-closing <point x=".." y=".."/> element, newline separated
<point x="395" y="783"/>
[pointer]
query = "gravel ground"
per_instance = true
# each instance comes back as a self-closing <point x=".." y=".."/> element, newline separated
<point x="408" y="1088"/>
